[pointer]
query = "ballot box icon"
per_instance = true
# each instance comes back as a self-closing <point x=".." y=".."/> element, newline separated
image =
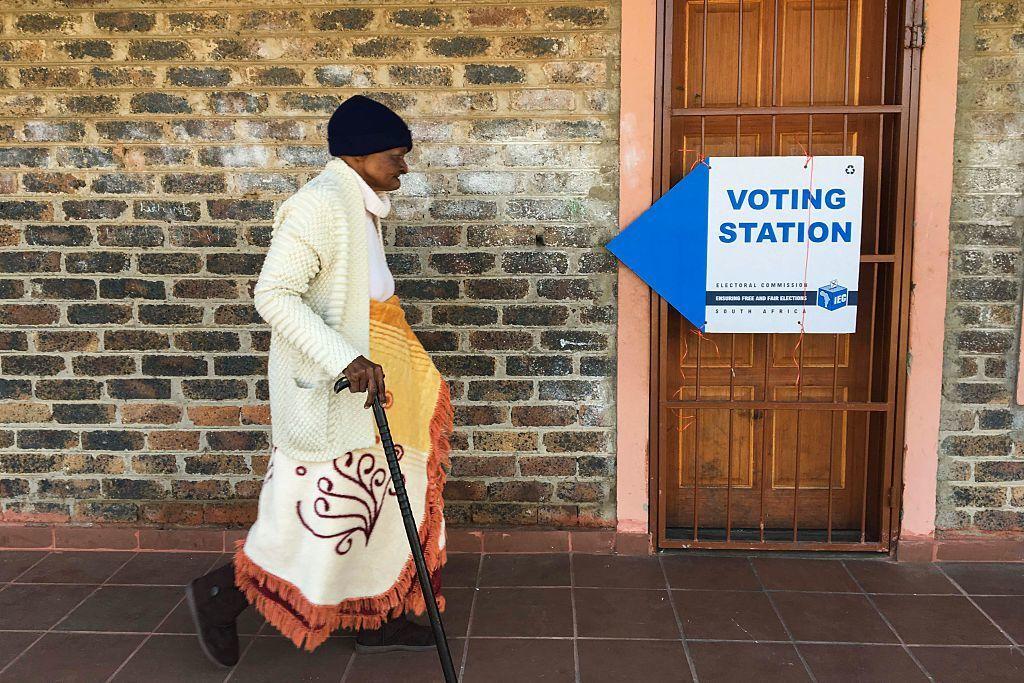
<point x="833" y="296"/>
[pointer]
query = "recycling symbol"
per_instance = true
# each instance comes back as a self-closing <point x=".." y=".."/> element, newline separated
<point x="850" y="170"/>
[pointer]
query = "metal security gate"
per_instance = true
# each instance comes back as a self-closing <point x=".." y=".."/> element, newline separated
<point x="782" y="441"/>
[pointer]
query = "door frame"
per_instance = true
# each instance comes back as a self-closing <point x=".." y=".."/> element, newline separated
<point x="891" y="491"/>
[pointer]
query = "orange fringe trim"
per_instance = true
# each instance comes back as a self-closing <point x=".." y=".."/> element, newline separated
<point x="307" y="624"/>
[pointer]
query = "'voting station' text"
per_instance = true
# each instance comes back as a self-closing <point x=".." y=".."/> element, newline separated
<point x="786" y="231"/>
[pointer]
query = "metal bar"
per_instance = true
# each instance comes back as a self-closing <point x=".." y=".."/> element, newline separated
<point x="696" y="440"/>
<point x="662" y="434"/>
<point x="764" y="428"/>
<point x="696" y="389"/>
<point x="773" y="135"/>
<point x="663" y="123"/>
<point x="676" y="543"/>
<point x="810" y="71"/>
<point x="856" y="407"/>
<point x="835" y="369"/>
<point x="661" y="180"/>
<point x="796" y="463"/>
<point x="800" y="360"/>
<point x="832" y="436"/>
<point x="900" y="275"/>
<point x="728" y="466"/>
<point x="846" y="132"/>
<point x="728" y="483"/>
<point x="878" y="183"/>
<point x="885" y="45"/>
<point x="800" y="366"/>
<point x="696" y="468"/>
<point x="867" y="430"/>
<point x="703" y="122"/>
<point x="739" y="68"/>
<point x="795" y="110"/>
<point x="846" y="68"/>
<point x="864" y="483"/>
<point x="704" y="64"/>
<point x="775" y="65"/>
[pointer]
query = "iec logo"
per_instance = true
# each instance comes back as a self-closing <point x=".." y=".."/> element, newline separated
<point x="833" y="296"/>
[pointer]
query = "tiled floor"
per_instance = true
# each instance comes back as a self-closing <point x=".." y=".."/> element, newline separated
<point x="99" y="616"/>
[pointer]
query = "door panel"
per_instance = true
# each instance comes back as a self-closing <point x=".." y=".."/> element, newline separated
<point x="783" y="437"/>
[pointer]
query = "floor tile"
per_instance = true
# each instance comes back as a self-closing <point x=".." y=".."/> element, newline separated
<point x="725" y="573"/>
<point x="514" y="660"/>
<point x="407" y="667"/>
<point x="171" y="659"/>
<point x="624" y="613"/>
<point x="522" y="612"/>
<point x="967" y="665"/>
<point x="76" y="567"/>
<point x="593" y="541"/>
<point x="73" y="657"/>
<point x="979" y="578"/>
<point x="804" y="575"/>
<point x="38" y="607"/>
<point x="938" y="620"/>
<point x="1008" y="612"/>
<point x="463" y="540"/>
<point x="165" y="568"/>
<point x="617" y="571"/>
<point x="460" y="570"/>
<point x="843" y="663"/>
<point x="537" y="569"/>
<point x="12" y="644"/>
<point x="123" y="608"/>
<point x="277" y="659"/>
<point x="893" y="577"/>
<point x="455" y="617"/>
<point x="626" y="661"/>
<point x="526" y="541"/>
<point x="14" y="562"/>
<point x="728" y="615"/>
<point x="180" y="621"/>
<point x="740" y="661"/>
<point x="837" y="617"/>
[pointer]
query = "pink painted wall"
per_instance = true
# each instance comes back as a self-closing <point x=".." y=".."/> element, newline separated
<point x="636" y="177"/>
<point x="934" y="185"/>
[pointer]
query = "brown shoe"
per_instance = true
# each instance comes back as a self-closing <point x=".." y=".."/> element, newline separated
<point x="215" y="604"/>
<point x="397" y="634"/>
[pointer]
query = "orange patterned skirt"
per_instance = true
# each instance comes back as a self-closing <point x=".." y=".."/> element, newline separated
<point x="328" y="549"/>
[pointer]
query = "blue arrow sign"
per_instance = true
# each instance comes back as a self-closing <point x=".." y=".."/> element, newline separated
<point x="755" y="244"/>
<point x="667" y="246"/>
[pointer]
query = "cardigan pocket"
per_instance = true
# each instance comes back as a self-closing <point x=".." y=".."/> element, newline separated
<point x="305" y="414"/>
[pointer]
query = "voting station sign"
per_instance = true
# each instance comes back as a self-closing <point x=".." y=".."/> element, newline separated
<point x="755" y="244"/>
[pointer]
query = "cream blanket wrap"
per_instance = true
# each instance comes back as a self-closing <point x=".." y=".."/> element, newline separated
<point x="328" y="549"/>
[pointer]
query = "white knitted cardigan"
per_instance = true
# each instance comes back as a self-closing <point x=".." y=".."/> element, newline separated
<point x="313" y="291"/>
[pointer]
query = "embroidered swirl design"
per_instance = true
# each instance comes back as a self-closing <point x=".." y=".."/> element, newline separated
<point x="362" y="485"/>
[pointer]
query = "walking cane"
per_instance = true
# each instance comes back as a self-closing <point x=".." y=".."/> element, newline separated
<point x="411" y="532"/>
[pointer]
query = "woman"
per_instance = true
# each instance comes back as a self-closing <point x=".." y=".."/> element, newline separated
<point x="328" y="549"/>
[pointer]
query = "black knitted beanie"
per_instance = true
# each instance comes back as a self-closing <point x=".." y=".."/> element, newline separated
<point x="361" y="126"/>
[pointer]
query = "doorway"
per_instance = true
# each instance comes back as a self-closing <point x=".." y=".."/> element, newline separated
<point x="782" y="441"/>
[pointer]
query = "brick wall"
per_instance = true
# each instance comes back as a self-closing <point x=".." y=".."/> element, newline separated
<point x="981" y="474"/>
<point x="143" y="149"/>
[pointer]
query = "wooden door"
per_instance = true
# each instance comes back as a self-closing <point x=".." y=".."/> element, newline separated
<point x="778" y="438"/>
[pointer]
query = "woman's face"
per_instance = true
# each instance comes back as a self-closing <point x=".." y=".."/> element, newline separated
<point x="382" y="171"/>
